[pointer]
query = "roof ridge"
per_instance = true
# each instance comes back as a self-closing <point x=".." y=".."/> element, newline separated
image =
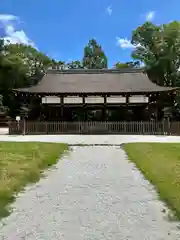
<point x="93" y="71"/>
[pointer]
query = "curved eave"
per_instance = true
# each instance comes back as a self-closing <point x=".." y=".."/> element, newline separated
<point x="158" y="90"/>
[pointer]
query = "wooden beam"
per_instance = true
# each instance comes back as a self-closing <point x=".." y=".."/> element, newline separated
<point x="127" y="98"/>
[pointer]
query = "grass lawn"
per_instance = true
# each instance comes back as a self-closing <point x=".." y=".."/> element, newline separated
<point x="22" y="163"/>
<point x="160" y="164"/>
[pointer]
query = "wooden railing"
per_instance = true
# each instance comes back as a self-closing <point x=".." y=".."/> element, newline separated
<point x="146" y="128"/>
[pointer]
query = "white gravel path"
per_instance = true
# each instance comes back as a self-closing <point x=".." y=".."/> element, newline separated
<point x="90" y="139"/>
<point x="93" y="194"/>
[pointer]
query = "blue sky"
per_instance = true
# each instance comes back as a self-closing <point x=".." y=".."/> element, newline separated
<point x="61" y="28"/>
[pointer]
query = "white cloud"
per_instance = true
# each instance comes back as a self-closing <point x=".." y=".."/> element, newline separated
<point x="109" y="10"/>
<point x="124" y="43"/>
<point x="11" y="34"/>
<point x="150" y="15"/>
<point x="18" y="37"/>
<point x="8" y="18"/>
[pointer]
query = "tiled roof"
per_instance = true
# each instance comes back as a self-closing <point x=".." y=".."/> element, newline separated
<point x="95" y="81"/>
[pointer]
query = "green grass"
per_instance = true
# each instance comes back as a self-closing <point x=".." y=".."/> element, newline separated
<point x="22" y="163"/>
<point x="160" y="164"/>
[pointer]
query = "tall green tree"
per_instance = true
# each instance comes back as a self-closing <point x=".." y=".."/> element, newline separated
<point x="159" y="48"/>
<point x="20" y="66"/>
<point x="35" y="62"/>
<point x="1" y="50"/>
<point x="94" y="56"/>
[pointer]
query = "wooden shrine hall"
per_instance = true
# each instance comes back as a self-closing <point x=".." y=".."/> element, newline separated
<point x="95" y="95"/>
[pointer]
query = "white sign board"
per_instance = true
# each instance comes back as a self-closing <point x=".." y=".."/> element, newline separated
<point x="94" y="99"/>
<point x="51" y="100"/>
<point x="73" y="100"/>
<point x="116" y="99"/>
<point x="138" y="99"/>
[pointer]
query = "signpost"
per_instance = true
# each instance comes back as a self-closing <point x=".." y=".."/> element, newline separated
<point x="24" y="113"/>
<point x="18" y="118"/>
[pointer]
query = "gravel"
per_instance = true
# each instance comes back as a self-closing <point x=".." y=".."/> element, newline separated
<point x="93" y="193"/>
<point x="90" y="139"/>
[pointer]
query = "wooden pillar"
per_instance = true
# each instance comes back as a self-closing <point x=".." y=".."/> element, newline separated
<point x="103" y="113"/>
<point x="127" y="98"/>
<point x="84" y="109"/>
<point x="104" y="116"/>
<point x="85" y="113"/>
<point x="61" y="108"/>
<point x="127" y="106"/>
<point x="62" y="112"/>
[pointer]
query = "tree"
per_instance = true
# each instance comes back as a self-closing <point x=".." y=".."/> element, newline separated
<point x="75" y="65"/>
<point x="1" y="50"/>
<point x="94" y="56"/>
<point x="134" y="64"/>
<point x="31" y="59"/>
<point x="20" y="66"/>
<point x="3" y="109"/>
<point x="131" y="64"/>
<point x="60" y="65"/>
<point x="120" y="65"/>
<point x="159" y="48"/>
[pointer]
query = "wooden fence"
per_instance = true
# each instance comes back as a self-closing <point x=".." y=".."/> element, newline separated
<point x="136" y="128"/>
